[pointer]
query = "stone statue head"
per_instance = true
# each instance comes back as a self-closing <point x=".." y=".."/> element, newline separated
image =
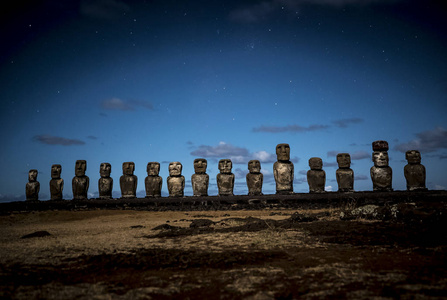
<point x="32" y="175"/>
<point x="153" y="168"/>
<point x="254" y="166"/>
<point x="380" y="158"/>
<point x="380" y="154"/>
<point x="105" y="169"/>
<point x="413" y="157"/>
<point x="80" y="167"/>
<point x="380" y="146"/>
<point x="225" y="166"/>
<point x="128" y="168"/>
<point x="283" y="152"/>
<point x="175" y="168"/>
<point x="316" y="163"/>
<point x="344" y="160"/>
<point x="56" y="171"/>
<point x="200" y="165"/>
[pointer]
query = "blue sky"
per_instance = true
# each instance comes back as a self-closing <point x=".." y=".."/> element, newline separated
<point x="116" y="81"/>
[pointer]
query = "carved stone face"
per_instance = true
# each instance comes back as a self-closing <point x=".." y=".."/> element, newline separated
<point x="56" y="171"/>
<point x="32" y="175"/>
<point x="380" y="158"/>
<point x="254" y="166"/>
<point x="316" y="163"/>
<point x="283" y="152"/>
<point x="200" y="165"/>
<point x="128" y="168"/>
<point x="175" y="168"/>
<point x="105" y="169"/>
<point x="80" y="167"/>
<point x="225" y="166"/>
<point x="343" y="160"/>
<point x="413" y="157"/>
<point x="153" y="169"/>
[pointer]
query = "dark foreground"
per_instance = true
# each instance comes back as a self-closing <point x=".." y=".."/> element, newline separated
<point x="385" y="251"/>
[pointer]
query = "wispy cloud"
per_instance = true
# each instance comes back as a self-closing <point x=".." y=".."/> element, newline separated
<point x="361" y="177"/>
<point x="103" y="9"/>
<point x="426" y="141"/>
<point x="238" y="155"/>
<point x="354" y="156"/>
<point x="92" y="137"/>
<point x="290" y="128"/>
<point x="56" y="140"/>
<point x="130" y="105"/>
<point x="263" y="10"/>
<point x="343" y="123"/>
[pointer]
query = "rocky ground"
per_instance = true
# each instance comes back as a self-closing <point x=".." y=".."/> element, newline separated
<point x="274" y="253"/>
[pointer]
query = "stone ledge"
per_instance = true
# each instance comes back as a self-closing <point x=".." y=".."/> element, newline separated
<point x="297" y="200"/>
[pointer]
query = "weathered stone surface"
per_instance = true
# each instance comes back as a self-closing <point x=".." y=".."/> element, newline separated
<point x="414" y="172"/>
<point x="283" y="170"/>
<point x="381" y="173"/>
<point x="254" y="178"/>
<point x="105" y="182"/>
<point x="200" y="180"/>
<point x="225" y="179"/>
<point x="316" y="177"/>
<point x="176" y="181"/>
<point x="80" y="182"/>
<point x="153" y="182"/>
<point x="344" y="174"/>
<point x="128" y="181"/>
<point x="32" y="186"/>
<point x="56" y="182"/>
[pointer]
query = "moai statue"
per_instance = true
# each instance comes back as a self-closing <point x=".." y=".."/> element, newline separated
<point x="381" y="173"/>
<point x="200" y="179"/>
<point x="176" y="181"/>
<point x="80" y="182"/>
<point x="344" y="174"/>
<point x="316" y="177"/>
<point x="414" y="172"/>
<point x="128" y="181"/>
<point x="56" y="182"/>
<point x="225" y="179"/>
<point x="105" y="183"/>
<point x="32" y="186"/>
<point x="254" y="178"/>
<point x="283" y="170"/>
<point x="153" y="182"/>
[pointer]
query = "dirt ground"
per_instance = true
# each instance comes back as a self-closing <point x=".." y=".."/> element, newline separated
<point x="234" y="254"/>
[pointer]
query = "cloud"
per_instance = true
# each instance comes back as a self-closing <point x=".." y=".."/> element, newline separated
<point x="360" y="155"/>
<point x="103" y="9"/>
<point x="264" y="9"/>
<point x="118" y="104"/>
<point x="239" y="173"/>
<point x="426" y="141"/>
<point x="343" y="123"/>
<point x="354" y="156"/>
<point x="360" y="177"/>
<point x="237" y="155"/>
<point x="92" y="137"/>
<point x="330" y="164"/>
<point x="289" y="128"/>
<point x="253" y="13"/>
<point x="56" y="140"/>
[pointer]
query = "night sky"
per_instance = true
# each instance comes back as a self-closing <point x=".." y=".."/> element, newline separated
<point x="116" y="81"/>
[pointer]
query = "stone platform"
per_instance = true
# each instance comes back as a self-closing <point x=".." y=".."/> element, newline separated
<point x="297" y="200"/>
